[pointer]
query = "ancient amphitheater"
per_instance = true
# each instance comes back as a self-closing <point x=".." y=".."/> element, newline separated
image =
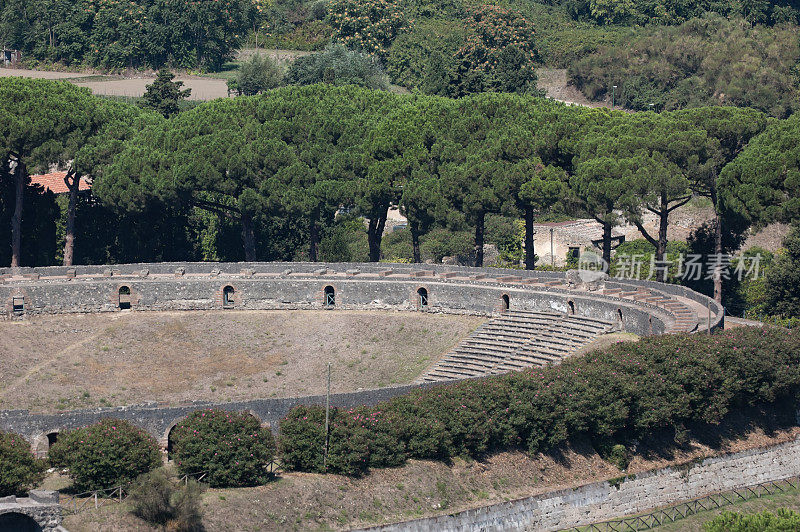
<point x="533" y="318"/>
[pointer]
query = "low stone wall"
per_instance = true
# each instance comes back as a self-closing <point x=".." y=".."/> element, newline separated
<point x="40" y="506"/>
<point x="601" y="501"/>
<point x="159" y="420"/>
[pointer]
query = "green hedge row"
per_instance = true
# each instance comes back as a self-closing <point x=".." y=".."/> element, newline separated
<point x="628" y="390"/>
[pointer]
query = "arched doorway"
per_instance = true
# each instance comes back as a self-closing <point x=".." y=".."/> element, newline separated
<point x="506" y="301"/>
<point x="124" y="297"/>
<point x="228" y="297"/>
<point x="18" y="522"/>
<point x="330" y="296"/>
<point x="571" y="307"/>
<point x="422" y="297"/>
<point x="170" y="441"/>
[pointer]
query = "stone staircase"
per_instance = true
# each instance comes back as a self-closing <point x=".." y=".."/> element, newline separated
<point x="515" y="340"/>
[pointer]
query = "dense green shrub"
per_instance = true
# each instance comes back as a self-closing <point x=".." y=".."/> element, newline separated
<point x="256" y="75"/>
<point x="19" y="469"/>
<point x="359" y="439"/>
<point x="425" y="56"/>
<point x="106" y="454"/>
<point x="764" y="521"/>
<point x="782" y="283"/>
<point x="441" y="243"/>
<point x="232" y="447"/>
<point x="337" y="66"/>
<point x="706" y="61"/>
<point x="159" y="499"/>
<point x="628" y="390"/>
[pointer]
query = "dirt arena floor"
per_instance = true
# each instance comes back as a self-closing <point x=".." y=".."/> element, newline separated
<point x="62" y="362"/>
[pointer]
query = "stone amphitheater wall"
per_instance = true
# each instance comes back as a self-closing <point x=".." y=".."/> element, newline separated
<point x="199" y="286"/>
<point x="601" y="501"/>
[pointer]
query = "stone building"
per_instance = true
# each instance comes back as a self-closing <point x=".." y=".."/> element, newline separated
<point x="553" y="241"/>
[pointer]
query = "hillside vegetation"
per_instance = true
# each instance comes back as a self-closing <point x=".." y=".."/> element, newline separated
<point x="706" y="61"/>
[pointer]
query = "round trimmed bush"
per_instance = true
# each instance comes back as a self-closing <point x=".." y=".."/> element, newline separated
<point x="107" y="454"/>
<point x="19" y="469"/>
<point x="231" y="447"/>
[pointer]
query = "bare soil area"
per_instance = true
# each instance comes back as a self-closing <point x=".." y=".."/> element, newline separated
<point x="554" y="82"/>
<point x="203" y="89"/>
<point x="39" y="74"/>
<point x="300" y="501"/>
<point x="51" y="363"/>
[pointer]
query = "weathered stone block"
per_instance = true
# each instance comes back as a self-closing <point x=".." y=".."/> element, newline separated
<point x="44" y="496"/>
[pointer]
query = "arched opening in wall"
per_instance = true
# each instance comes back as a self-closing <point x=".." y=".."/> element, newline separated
<point x="18" y="522"/>
<point x="170" y="442"/>
<point x="227" y="297"/>
<point x="571" y="307"/>
<point x="52" y="438"/>
<point x="422" y="297"/>
<point x="124" y="297"/>
<point x="506" y="302"/>
<point x="329" y="295"/>
<point x="18" y="304"/>
<point x="619" y="317"/>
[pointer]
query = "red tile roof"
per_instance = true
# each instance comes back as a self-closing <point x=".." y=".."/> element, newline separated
<point x="54" y="182"/>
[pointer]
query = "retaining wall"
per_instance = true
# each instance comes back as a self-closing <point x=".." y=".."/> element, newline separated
<point x="602" y="501"/>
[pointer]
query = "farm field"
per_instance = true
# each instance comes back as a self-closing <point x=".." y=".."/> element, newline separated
<point x="52" y="363"/>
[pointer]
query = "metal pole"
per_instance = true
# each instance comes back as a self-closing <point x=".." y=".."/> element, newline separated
<point x="327" y="419"/>
<point x="552" y="255"/>
<point x="613" y="93"/>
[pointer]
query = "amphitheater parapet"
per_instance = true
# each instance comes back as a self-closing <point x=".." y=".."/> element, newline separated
<point x="646" y="307"/>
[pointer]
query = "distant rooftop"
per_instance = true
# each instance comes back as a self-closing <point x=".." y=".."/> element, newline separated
<point x="54" y="182"/>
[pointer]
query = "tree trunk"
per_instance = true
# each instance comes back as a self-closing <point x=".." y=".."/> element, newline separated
<point x="314" y="238"/>
<point x="530" y="252"/>
<point x="248" y="238"/>
<point x="69" y="236"/>
<point x="607" y="244"/>
<point x="661" y="249"/>
<point x="375" y="234"/>
<point x="479" y="230"/>
<point x="414" y="228"/>
<point x="20" y="175"/>
<point x="717" y="245"/>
